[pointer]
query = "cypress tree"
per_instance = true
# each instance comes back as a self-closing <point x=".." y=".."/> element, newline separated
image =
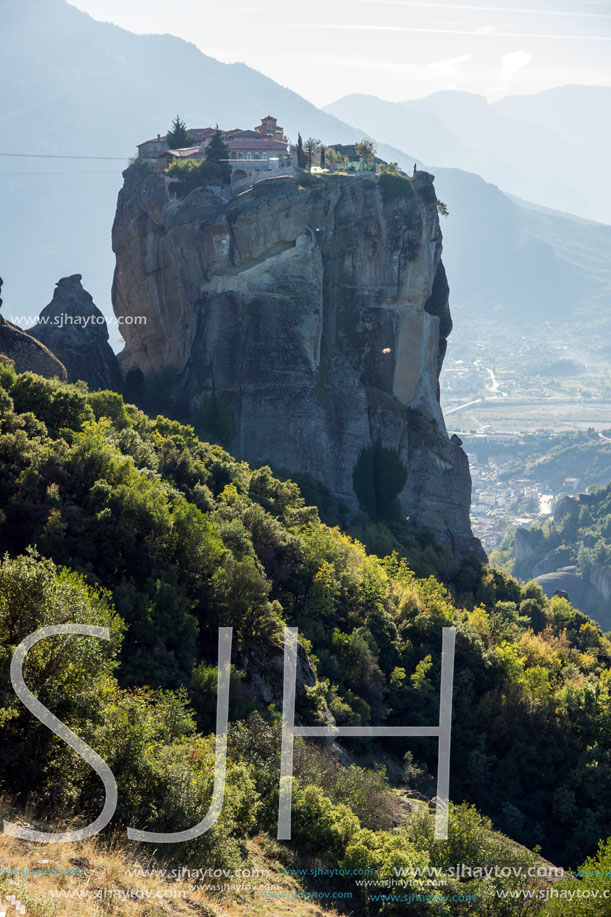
<point x="178" y="137"/>
<point x="217" y="151"/>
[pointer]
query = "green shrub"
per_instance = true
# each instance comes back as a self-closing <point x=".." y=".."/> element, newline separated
<point x="111" y="405"/>
<point x="394" y="186"/>
<point x="319" y="825"/>
<point x="68" y="674"/>
<point x="57" y="405"/>
<point x="176" y="785"/>
<point x="379" y="476"/>
<point x="587" y="890"/>
<point x="190" y="174"/>
<point x="186" y="538"/>
<point x="215" y="421"/>
<point x="164" y="771"/>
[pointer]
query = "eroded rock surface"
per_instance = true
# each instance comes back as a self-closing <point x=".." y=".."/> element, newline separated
<point x="317" y="310"/>
<point x="26" y="353"/>
<point x="75" y="330"/>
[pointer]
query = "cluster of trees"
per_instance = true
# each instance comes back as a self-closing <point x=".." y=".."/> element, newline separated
<point x="365" y="151"/>
<point x="137" y="523"/>
<point x="305" y="152"/>
<point x="164" y="767"/>
<point x="213" y="169"/>
<point x="583" y="454"/>
<point x="190" y="174"/>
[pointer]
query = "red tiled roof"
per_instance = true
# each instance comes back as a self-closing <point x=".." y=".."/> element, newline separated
<point x="263" y="144"/>
<point x="202" y="133"/>
<point x="183" y="153"/>
<point x="242" y="135"/>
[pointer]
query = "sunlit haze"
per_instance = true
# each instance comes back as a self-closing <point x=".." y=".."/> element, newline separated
<point x="394" y="49"/>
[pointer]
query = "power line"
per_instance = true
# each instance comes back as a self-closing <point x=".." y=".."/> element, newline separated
<point x="107" y="172"/>
<point x="57" y="156"/>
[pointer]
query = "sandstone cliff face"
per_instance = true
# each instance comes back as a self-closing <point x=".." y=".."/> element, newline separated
<point x="75" y="330"/>
<point x="317" y="310"/>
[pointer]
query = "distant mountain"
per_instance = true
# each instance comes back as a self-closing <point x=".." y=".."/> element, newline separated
<point x="580" y="116"/>
<point x="76" y="87"/>
<point x="551" y="147"/>
<point x="72" y="86"/>
<point x="517" y="262"/>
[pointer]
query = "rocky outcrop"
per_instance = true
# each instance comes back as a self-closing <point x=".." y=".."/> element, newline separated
<point x="264" y="668"/>
<point x="26" y="353"/>
<point x="580" y="592"/>
<point x="315" y="310"/>
<point x="566" y="506"/>
<point x="558" y="569"/>
<point x="29" y="354"/>
<point x="600" y="578"/>
<point x="74" y="329"/>
<point x="526" y="544"/>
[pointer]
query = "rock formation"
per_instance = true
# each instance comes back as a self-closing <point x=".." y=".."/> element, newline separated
<point x="552" y="558"/>
<point x="75" y="330"/>
<point x="314" y="311"/>
<point x="581" y="592"/>
<point x="26" y="353"/>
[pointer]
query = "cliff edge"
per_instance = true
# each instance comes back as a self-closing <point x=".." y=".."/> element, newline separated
<point x="311" y="314"/>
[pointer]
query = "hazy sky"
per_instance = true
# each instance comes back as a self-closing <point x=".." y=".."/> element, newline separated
<point x="395" y="49"/>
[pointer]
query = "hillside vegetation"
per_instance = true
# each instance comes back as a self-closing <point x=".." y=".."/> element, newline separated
<point x="112" y="518"/>
<point x="582" y="454"/>
<point x="576" y="541"/>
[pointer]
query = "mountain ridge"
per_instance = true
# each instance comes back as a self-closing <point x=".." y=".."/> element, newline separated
<point x="66" y="218"/>
<point x="528" y="145"/>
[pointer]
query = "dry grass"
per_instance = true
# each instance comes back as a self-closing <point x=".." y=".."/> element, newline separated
<point x="117" y="878"/>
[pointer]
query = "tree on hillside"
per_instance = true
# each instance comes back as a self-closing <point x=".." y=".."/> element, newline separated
<point x="322" y="158"/>
<point x="310" y="145"/>
<point x="301" y="159"/>
<point x="178" y="137"/>
<point x="217" y="151"/>
<point x="365" y="150"/>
